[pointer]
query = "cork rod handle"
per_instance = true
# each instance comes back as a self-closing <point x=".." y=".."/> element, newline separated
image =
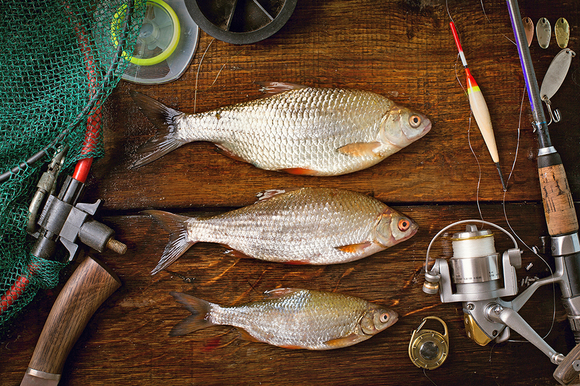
<point x="558" y="203"/>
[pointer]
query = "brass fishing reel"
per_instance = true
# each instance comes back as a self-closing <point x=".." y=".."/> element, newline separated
<point x="428" y="349"/>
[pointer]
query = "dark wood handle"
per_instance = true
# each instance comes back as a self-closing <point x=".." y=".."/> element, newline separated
<point x="88" y="287"/>
<point x="558" y="204"/>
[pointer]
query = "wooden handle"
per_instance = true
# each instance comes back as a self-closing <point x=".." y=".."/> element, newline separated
<point x="565" y="372"/>
<point x="558" y="204"/>
<point x="88" y="287"/>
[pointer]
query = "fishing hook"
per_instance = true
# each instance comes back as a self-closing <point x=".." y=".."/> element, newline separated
<point x="554" y="114"/>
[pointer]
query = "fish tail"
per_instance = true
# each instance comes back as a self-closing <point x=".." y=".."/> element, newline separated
<point x="178" y="237"/>
<point x="199" y="309"/>
<point x="163" y="118"/>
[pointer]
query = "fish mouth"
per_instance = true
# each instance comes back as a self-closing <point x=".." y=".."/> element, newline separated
<point x="395" y="318"/>
<point x="413" y="135"/>
<point x="426" y="129"/>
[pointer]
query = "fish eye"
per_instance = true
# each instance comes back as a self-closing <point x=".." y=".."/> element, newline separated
<point x="384" y="318"/>
<point x="404" y="224"/>
<point x="415" y="121"/>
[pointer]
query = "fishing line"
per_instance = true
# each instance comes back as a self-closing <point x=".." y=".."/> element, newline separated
<point x="489" y="21"/>
<point x="469" y="135"/>
<point x="478" y="167"/>
<point x="216" y="77"/>
<point x="425" y="374"/>
<point x="197" y="75"/>
<point x="533" y="250"/>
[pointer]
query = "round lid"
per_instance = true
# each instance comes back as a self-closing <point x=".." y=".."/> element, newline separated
<point x="241" y="22"/>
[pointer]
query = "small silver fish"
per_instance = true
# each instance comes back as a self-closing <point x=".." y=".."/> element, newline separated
<point x="292" y="318"/>
<point x="299" y="130"/>
<point x="302" y="226"/>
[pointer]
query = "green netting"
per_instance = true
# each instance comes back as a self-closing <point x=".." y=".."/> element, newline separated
<point x="59" y="61"/>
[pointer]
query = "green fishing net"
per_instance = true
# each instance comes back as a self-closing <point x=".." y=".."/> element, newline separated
<point x="59" y="61"/>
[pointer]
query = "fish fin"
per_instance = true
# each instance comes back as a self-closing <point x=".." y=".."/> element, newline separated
<point x="178" y="237"/>
<point x="360" y="149"/>
<point x="355" y="248"/>
<point x="271" y="193"/>
<point x="277" y="293"/>
<point x="300" y="171"/>
<point x="296" y="262"/>
<point x="344" y="341"/>
<point x="233" y="252"/>
<point x="228" y="153"/>
<point x="272" y="88"/>
<point x="199" y="309"/>
<point x="163" y="118"/>
<point x="268" y="194"/>
<point x="245" y="335"/>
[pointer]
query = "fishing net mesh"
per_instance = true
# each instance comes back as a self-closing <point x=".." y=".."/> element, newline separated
<point x="60" y="60"/>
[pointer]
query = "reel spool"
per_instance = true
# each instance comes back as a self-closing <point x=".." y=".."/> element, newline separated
<point x="166" y="43"/>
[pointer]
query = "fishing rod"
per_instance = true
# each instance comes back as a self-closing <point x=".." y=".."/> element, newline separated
<point x="559" y="209"/>
<point x="478" y="277"/>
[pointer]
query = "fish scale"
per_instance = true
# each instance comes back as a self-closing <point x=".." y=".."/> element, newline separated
<point x="302" y="226"/>
<point x="293" y="318"/>
<point x="283" y="322"/>
<point x="305" y="130"/>
<point x="271" y="225"/>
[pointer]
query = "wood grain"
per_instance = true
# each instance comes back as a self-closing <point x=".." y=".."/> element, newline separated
<point x="88" y="287"/>
<point x="400" y="49"/>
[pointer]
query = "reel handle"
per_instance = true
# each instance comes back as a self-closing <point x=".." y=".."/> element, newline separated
<point x="569" y="369"/>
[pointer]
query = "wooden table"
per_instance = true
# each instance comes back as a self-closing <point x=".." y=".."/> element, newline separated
<point x="400" y="49"/>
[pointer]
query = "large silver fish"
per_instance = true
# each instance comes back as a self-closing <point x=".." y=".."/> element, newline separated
<point x="299" y="130"/>
<point x="292" y="318"/>
<point x="303" y="226"/>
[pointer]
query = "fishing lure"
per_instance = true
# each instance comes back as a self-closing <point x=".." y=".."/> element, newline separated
<point x="528" y="29"/>
<point x="543" y="32"/>
<point x="562" y="32"/>
<point x="554" y="78"/>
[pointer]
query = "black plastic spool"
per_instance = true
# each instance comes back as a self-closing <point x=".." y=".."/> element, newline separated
<point x="241" y="21"/>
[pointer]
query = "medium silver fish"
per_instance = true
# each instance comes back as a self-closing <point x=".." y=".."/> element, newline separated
<point x="303" y="226"/>
<point x="292" y="318"/>
<point x="299" y="130"/>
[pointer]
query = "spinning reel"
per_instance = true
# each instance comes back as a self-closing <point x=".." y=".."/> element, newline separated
<point x="478" y="277"/>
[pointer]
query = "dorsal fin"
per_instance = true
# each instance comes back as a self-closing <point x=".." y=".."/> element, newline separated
<point x="278" y="293"/>
<point x="271" y="88"/>
<point x="268" y="194"/>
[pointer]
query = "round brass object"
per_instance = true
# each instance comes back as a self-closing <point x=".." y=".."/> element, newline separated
<point x="428" y="349"/>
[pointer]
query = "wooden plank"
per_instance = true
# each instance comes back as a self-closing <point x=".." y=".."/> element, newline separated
<point x="396" y="50"/>
<point x="402" y="50"/>
<point x="127" y="340"/>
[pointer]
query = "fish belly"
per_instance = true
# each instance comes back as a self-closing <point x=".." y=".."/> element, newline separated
<point x="295" y="129"/>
